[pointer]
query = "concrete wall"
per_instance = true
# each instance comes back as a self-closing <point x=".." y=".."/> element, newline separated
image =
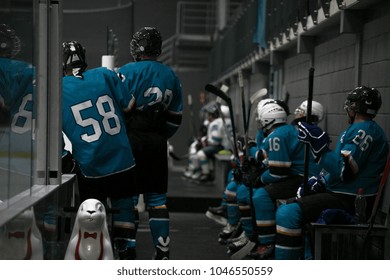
<point x="342" y="62"/>
<point x="87" y="22"/>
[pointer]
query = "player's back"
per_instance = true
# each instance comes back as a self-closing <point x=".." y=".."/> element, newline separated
<point x="16" y="94"/>
<point x="367" y="144"/>
<point x="151" y="82"/>
<point x="93" y="121"/>
<point x="16" y="81"/>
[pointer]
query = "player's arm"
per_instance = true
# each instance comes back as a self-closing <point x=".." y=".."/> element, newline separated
<point x="125" y="98"/>
<point x="344" y="162"/>
<point x="174" y="112"/>
<point x="173" y="122"/>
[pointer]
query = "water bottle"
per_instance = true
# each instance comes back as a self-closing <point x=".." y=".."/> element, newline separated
<point x="360" y="207"/>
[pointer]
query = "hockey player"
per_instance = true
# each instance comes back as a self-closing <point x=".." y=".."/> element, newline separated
<point x="211" y="145"/>
<point x="317" y="112"/>
<point x="357" y="161"/>
<point x="158" y="100"/>
<point x="16" y="90"/>
<point x="282" y="156"/>
<point x="219" y="130"/>
<point x="93" y="106"/>
<point x="237" y="216"/>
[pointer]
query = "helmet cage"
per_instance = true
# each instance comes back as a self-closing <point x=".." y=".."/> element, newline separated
<point x="73" y="57"/>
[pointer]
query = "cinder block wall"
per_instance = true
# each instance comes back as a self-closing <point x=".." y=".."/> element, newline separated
<point x="340" y="67"/>
<point x="376" y="59"/>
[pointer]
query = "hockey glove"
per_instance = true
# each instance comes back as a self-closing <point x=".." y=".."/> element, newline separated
<point x="237" y="175"/>
<point x="315" y="184"/>
<point x="69" y="166"/>
<point x="317" y="139"/>
<point x="240" y="143"/>
<point x="251" y="143"/>
<point x="251" y="172"/>
<point x="236" y="170"/>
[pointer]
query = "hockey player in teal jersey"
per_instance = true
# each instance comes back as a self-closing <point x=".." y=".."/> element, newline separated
<point x="282" y="157"/>
<point x="357" y="161"/>
<point x="93" y="119"/>
<point x="16" y="88"/>
<point x="157" y="117"/>
<point x="17" y="85"/>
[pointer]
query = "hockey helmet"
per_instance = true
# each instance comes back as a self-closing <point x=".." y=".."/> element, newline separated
<point x="271" y="114"/>
<point x="212" y="110"/>
<point x="146" y="41"/>
<point x="263" y="102"/>
<point x="73" y="57"/>
<point x="317" y="111"/>
<point x="225" y="111"/>
<point x="364" y="100"/>
<point x="260" y="105"/>
<point x="9" y="42"/>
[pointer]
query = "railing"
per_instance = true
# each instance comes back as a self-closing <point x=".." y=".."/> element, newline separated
<point x="284" y="20"/>
<point x="195" y="18"/>
<point x="196" y="28"/>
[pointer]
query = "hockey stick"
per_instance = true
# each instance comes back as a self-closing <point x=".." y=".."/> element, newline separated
<point x="192" y="119"/>
<point x="218" y="92"/>
<point x="253" y="99"/>
<point x="241" y="85"/>
<point x="307" y="146"/>
<point x="308" y="117"/>
<point x="244" y="251"/>
<point x="218" y="100"/>
<point x="374" y="212"/>
<point x="286" y="98"/>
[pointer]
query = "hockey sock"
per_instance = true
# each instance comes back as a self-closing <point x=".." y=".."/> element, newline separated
<point x="159" y="226"/>
<point x="246" y="220"/>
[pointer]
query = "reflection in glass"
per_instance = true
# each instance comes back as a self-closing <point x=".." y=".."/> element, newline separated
<point x="20" y="239"/>
<point x="17" y="78"/>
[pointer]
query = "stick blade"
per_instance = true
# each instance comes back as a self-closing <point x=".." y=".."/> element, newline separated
<point x="213" y="89"/>
<point x="224" y="88"/>
<point x="258" y="94"/>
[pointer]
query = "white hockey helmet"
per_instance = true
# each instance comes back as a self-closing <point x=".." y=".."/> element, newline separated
<point x="271" y="114"/>
<point x="225" y="111"/>
<point x="317" y="111"/>
<point x="261" y="105"/>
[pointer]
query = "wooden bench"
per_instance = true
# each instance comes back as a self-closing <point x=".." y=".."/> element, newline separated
<point x="371" y="241"/>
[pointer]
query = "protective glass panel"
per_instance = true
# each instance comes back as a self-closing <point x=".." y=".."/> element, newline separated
<point x="17" y="87"/>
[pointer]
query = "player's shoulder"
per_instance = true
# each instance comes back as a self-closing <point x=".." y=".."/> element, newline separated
<point x="99" y="72"/>
<point x="284" y="130"/>
<point x="128" y="66"/>
<point x="369" y="126"/>
<point x="12" y="65"/>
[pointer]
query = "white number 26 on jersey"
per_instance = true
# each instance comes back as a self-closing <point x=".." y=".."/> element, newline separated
<point x="107" y="115"/>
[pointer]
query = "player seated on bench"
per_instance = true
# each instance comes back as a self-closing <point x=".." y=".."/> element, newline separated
<point x="201" y="163"/>
<point x="359" y="158"/>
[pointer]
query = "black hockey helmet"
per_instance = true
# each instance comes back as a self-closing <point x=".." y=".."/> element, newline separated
<point x="9" y="42"/>
<point x="73" y="57"/>
<point x="146" y="41"/>
<point x="364" y="100"/>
